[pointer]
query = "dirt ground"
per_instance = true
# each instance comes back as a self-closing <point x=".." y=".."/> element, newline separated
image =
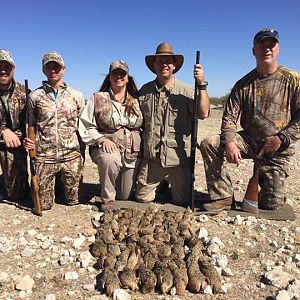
<point x="51" y="251"/>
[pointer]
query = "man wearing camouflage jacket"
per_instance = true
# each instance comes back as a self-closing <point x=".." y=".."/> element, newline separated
<point x="13" y="156"/>
<point x="267" y="101"/>
<point x="55" y="109"/>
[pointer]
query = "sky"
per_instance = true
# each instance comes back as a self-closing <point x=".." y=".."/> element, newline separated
<point x="91" y="34"/>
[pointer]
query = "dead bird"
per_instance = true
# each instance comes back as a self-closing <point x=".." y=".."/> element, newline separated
<point x="178" y="250"/>
<point x="211" y="273"/>
<point x="108" y="281"/>
<point x="122" y="260"/>
<point x="98" y="249"/>
<point x="128" y="279"/>
<point x="114" y="249"/>
<point x="109" y="260"/>
<point x="163" y="250"/>
<point x="164" y="277"/>
<point x="180" y="280"/>
<point x="147" y="280"/>
<point x="197" y="281"/>
<point x="133" y="258"/>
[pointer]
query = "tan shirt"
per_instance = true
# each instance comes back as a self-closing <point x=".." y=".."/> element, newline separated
<point x="167" y="115"/>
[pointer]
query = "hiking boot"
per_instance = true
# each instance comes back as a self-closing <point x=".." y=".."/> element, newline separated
<point x="107" y="206"/>
<point x="218" y="205"/>
<point x="250" y="206"/>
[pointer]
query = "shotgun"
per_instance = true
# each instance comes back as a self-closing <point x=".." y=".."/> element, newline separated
<point x="32" y="156"/>
<point x="194" y="132"/>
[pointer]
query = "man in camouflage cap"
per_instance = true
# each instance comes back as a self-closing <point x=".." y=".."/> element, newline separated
<point x="267" y="101"/>
<point x="55" y="109"/>
<point x="13" y="157"/>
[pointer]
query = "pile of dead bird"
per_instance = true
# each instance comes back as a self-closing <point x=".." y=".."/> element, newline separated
<point x="151" y="251"/>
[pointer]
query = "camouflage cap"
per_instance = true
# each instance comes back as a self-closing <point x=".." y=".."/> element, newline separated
<point x="6" y="56"/>
<point x="119" y="64"/>
<point x="53" y="56"/>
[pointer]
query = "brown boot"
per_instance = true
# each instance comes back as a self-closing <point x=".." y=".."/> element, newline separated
<point x="218" y="205"/>
<point x="107" y="206"/>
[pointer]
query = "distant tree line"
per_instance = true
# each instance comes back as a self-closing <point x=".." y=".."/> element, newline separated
<point x="218" y="101"/>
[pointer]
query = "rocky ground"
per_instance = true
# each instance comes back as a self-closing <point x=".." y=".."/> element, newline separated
<point x="48" y="257"/>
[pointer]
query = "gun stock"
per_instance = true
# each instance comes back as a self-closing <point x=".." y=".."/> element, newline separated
<point x="194" y="133"/>
<point x="32" y="156"/>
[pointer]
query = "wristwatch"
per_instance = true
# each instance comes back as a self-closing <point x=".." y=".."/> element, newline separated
<point x="203" y="86"/>
<point x="281" y="137"/>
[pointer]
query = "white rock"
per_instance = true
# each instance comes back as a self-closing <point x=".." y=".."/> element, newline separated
<point x="216" y="240"/>
<point x="31" y="232"/>
<point x="79" y="242"/>
<point x="283" y="295"/>
<point x="202" y="218"/>
<point x="50" y="297"/>
<point x="27" y="252"/>
<point x="88" y="287"/>
<point x="71" y="276"/>
<point x="278" y="277"/>
<point x="202" y="233"/>
<point x="24" y="284"/>
<point x="297" y="257"/>
<point x="238" y="220"/>
<point x="294" y="289"/>
<point x="208" y="290"/>
<point x="222" y="261"/>
<point x="4" y="278"/>
<point x="85" y="258"/>
<point x="98" y="297"/>
<point x="227" y="272"/>
<point x="66" y="239"/>
<point x="120" y="294"/>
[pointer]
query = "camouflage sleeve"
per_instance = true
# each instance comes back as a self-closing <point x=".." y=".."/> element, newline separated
<point x="87" y="127"/>
<point x="230" y="117"/>
<point x="292" y="131"/>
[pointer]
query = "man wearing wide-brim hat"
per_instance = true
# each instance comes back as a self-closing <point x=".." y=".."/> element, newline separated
<point x="13" y="157"/>
<point x="167" y="106"/>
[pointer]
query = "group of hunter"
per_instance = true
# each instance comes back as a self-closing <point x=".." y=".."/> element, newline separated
<point x="141" y="139"/>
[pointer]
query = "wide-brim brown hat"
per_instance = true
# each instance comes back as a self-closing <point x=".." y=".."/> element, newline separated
<point x="164" y="49"/>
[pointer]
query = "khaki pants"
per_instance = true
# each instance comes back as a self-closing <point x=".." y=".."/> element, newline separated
<point x="273" y="171"/>
<point x="71" y="176"/>
<point x="14" y="168"/>
<point x="117" y="181"/>
<point x="152" y="173"/>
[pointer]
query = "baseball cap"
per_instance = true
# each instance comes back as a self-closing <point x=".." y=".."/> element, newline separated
<point x="119" y="64"/>
<point x="53" y="56"/>
<point x="266" y="33"/>
<point x="6" y="56"/>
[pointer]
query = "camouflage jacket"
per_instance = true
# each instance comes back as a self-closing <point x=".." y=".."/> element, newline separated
<point x="55" y="117"/>
<point x="13" y="109"/>
<point x="265" y="106"/>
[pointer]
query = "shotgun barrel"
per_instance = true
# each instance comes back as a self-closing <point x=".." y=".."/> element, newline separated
<point x="194" y="133"/>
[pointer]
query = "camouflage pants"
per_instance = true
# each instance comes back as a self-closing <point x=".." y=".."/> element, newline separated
<point x="273" y="171"/>
<point x="14" y="168"/>
<point x="71" y="175"/>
